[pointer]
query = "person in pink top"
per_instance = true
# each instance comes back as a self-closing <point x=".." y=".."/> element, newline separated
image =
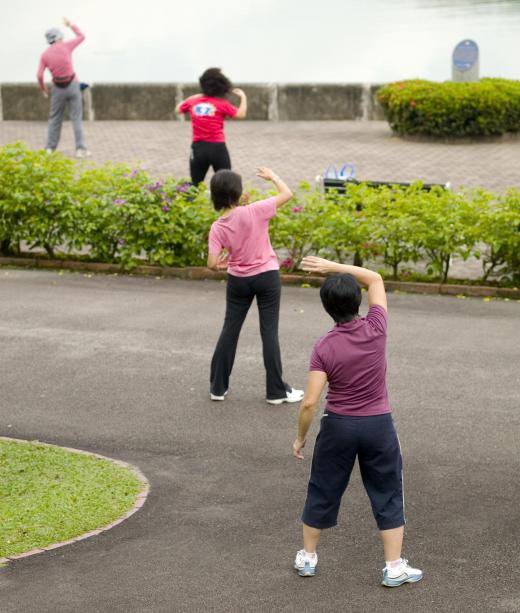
<point x="65" y="89"/>
<point x="207" y="112"/>
<point x="239" y="243"/>
<point x="357" y="422"/>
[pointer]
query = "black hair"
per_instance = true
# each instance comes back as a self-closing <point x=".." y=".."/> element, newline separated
<point x="226" y="189"/>
<point x="341" y="296"/>
<point x="215" y="84"/>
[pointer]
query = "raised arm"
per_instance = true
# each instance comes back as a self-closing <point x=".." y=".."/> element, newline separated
<point x="370" y="279"/>
<point x="180" y="108"/>
<point x="242" y="108"/>
<point x="80" y="37"/>
<point x="284" y="193"/>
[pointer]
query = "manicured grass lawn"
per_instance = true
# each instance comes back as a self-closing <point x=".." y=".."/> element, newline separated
<point x="48" y="494"/>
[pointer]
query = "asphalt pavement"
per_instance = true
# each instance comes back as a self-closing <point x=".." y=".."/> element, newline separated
<point x="119" y="365"/>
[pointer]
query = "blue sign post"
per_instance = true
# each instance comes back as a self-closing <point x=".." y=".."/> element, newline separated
<point x="464" y="61"/>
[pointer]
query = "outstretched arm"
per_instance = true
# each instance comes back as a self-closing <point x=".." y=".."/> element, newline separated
<point x="242" y="108"/>
<point x="372" y="280"/>
<point x="284" y="193"/>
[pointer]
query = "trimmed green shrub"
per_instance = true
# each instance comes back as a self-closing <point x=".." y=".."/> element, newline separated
<point x="488" y="107"/>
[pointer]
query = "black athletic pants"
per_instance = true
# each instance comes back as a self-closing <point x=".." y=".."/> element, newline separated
<point x="240" y="293"/>
<point x="203" y="155"/>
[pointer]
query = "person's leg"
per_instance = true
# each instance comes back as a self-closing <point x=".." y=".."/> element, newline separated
<point x="220" y="159"/>
<point x="76" y="112"/>
<point x="199" y="161"/>
<point x="268" y="292"/>
<point x="380" y="464"/>
<point x="332" y="463"/>
<point x="311" y="538"/>
<point x="392" y="542"/>
<point x="238" y="300"/>
<point x="381" y="470"/>
<point x="58" y="102"/>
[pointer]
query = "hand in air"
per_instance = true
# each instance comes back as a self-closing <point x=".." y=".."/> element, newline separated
<point x="67" y="22"/>
<point x="314" y="264"/>
<point x="265" y="173"/>
<point x="239" y="92"/>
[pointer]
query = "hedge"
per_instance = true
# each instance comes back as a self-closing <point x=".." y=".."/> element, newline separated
<point x="114" y="213"/>
<point x="489" y="107"/>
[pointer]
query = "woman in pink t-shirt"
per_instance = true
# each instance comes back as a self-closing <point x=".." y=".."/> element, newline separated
<point x="239" y="243"/>
<point x="208" y="111"/>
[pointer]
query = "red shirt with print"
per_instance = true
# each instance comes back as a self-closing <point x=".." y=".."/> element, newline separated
<point x="207" y="117"/>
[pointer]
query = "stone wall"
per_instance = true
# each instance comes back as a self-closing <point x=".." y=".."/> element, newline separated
<point x="156" y="101"/>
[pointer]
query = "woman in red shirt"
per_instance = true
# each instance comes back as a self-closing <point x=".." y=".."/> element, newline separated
<point x="208" y="111"/>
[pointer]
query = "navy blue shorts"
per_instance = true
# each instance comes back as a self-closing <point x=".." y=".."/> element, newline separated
<point x="342" y="438"/>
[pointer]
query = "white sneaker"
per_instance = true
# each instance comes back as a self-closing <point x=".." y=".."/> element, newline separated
<point x="49" y="151"/>
<point x="214" y="397"/>
<point x="394" y="577"/>
<point x="305" y="564"/>
<point x="292" y="396"/>
<point x="83" y="153"/>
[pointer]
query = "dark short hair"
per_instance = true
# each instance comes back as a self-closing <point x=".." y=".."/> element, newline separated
<point x="215" y="84"/>
<point x="226" y="189"/>
<point x="341" y="296"/>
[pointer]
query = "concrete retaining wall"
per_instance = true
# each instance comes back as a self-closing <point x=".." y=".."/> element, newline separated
<point x="156" y="101"/>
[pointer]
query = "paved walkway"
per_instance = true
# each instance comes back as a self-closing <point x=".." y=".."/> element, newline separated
<point x="297" y="150"/>
<point x="118" y="365"/>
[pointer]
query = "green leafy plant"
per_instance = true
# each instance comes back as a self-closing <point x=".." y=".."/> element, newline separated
<point x="295" y="228"/>
<point x="498" y="230"/>
<point x="113" y="213"/>
<point x="37" y="198"/>
<point x="394" y="221"/>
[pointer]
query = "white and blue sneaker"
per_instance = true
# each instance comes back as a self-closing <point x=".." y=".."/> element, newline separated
<point x="404" y="573"/>
<point x="305" y="564"/>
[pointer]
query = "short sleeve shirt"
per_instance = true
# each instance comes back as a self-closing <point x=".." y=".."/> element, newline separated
<point x="353" y="356"/>
<point x="244" y="233"/>
<point x="207" y="117"/>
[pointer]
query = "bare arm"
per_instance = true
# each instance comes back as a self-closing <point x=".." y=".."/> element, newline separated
<point x="178" y="107"/>
<point x="242" y="108"/>
<point x="218" y="261"/>
<point x="284" y="193"/>
<point x="372" y="280"/>
<point x="315" y="384"/>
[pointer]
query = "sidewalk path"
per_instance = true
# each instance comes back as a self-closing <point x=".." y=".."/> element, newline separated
<point x="118" y="365"/>
<point x="297" y="150"/>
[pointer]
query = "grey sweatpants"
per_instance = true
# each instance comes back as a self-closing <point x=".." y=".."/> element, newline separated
<point x="60" y="97"/>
